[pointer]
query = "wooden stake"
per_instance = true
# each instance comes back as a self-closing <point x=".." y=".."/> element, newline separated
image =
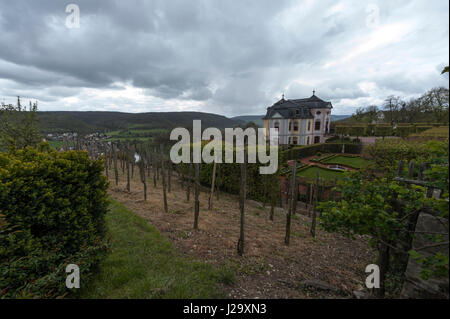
<point x="291" y="203"/>
<point x="240" y="246"/>
<point x="163" y="176"/>
<point x="210" y="202"/>
<point x="196" y="195"/>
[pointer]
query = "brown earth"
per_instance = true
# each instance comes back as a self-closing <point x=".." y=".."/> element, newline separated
<point x="269" y="268"/>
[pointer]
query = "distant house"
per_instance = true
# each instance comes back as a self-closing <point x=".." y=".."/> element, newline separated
<point x="299" y="121"/>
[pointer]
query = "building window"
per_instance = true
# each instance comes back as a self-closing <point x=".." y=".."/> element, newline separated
<point x="316" y="139"/>
<point x="290" y="125"/>
<point x="309" y="125"/>
<point x="295" y="141"/>
<point x="289" y="140"/>
<point x="318" y="113"/>
<point x="307" y="140"/>
<point x="276" y="125"/>
<point x="297" y="112"/>
<point x="326" y="126"/>
<point x="317" y="126"/>
<point x="295" y="126"/>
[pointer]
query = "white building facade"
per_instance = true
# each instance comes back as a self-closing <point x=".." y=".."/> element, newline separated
<point x="299" y="121"/>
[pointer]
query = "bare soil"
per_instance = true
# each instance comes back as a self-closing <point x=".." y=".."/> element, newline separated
<point x="269" y="268"/>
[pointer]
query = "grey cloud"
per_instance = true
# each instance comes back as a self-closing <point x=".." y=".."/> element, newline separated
<point x="232" y="57"/>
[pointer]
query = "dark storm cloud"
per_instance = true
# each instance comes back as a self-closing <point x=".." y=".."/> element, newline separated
<point x="229" y="57"/>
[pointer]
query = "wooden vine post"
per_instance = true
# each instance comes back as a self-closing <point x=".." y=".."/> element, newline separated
<point x="169" y="175"/>
<point x="196" y="195"/>
<point x="116" y="171"/>
<point x="210" y="202"/>
<point x="291" y="203"/>
<point x="314" y="213"/>
<point x="143" y="177"/>
<point x="154" y="164"/>
<point x="217" y="191"/>
<point x="189" y="183"/>
<point x="240" y="246"/>
<point x="105" y="152"/>
<point x="163" y="177"/>
<point x="127" y="163"/>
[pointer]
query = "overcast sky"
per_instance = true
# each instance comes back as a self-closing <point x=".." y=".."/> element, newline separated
<point x="231" y="57"/>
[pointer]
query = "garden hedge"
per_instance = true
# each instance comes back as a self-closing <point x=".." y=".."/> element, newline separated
<point x="310" y="150"/>
<point x="52" y="208"/>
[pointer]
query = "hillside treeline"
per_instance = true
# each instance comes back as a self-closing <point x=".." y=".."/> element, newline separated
<point x="431" y="107"/>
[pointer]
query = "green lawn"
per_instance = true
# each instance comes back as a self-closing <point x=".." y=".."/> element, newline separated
<point x="354" y="162"/>
<point x="328" y="175"/>
<point x="143" y="264"/>
<point x="56" y="144"/>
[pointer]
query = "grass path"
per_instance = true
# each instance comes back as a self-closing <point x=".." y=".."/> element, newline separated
<point x="143" y="264"/>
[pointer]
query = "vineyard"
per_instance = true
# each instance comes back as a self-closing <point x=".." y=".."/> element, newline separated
<point x="268" y="268"/>
<point x="142" y="226"/>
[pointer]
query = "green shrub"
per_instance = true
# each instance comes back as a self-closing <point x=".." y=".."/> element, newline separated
<point x="53" y="207"/>
<point x="387" y="153"/>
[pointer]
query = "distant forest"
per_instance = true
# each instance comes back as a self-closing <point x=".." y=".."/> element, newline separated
<point x="90" y="122"/>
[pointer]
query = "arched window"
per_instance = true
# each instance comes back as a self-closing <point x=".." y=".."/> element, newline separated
<point x="317" y="126"/>
<point x="295" y="126"/>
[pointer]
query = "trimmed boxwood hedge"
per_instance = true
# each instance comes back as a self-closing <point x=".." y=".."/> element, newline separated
<point x="52" y="208"/>
<point x="310" y="150"/>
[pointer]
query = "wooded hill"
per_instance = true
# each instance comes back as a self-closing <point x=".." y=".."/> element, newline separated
<point x="90" y="122"/>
